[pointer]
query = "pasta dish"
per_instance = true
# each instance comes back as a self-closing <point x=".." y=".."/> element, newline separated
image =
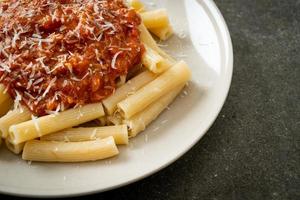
<point x="69" y="63"/>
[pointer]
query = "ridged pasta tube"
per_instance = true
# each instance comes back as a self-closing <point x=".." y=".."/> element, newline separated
<point x="53" y="151"/>
<point x="38" y="127"/>
<point x="140" y="121"/>
<point x="119" y="133"/>
<point x="175" y="76"/>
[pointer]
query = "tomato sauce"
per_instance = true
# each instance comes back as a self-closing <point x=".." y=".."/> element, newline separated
<point x="60" y="54"/>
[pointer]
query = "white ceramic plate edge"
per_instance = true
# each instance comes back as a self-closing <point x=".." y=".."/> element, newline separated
<point x="226" y="43"/>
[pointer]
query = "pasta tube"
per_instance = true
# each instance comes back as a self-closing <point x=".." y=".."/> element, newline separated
<point x="115" y="119"/>
<point x="53" y="151"/>
<point x="15" y="148"/>
<point x="138" y="122"/>
<point x="110" y="103"/>
<point x="38" y="127"/>
<point x="175" y="76"/>
<point x="13" y="117"/>
<point x="5" y="106"/>
<point x="155" y="18"/>
<point x="3" y="95"/>
<point x="119" y="133"/>
<point x="147" y="39"/>
<point x="102" y="121"/>
<point x="154" y="62"/>
<point x="162" y="33"/>
<point x="137" y="5"/>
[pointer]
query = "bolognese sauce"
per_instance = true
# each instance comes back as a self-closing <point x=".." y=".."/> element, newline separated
<point x="59" y="54"/>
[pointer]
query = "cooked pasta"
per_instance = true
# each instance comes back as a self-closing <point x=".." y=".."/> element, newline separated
<point x="137" y="5"/>
<point x="74" y="86"/>
<point x="38" y="127"/>
<point x="119" y="133"/>
<point x="115" y="119"/>
<point x="15" y="116"/>
<point x="162" y="33"/>
<point x="155" y="62"/>
<point x="140" y="121"/>
<point x="5" y="106"/>
<point x="155" y="19"/>
<point x="110" y="104"/>
<point x="4" y="96"/>
<point x="53" y="151"/>
<point x="176" y="75"/>
<point x="15" y="148"/>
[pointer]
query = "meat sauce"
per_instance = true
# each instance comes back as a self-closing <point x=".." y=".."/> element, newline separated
<point x="60" y="54"/>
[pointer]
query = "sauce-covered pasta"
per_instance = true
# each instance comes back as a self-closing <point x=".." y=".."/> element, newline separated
<point x="58" y="54"/>
<point x="66" y="63"/>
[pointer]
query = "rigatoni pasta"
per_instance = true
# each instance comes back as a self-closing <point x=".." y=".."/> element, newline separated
<point x="137" y="5"/>
<point x="38" y="127"/>
<point x="115" y="119"/>
<point x="110" y="104"/>
<point x="5" y="106"/>
<point x="155" y="19"/>
<point x="4" y="96"/>
<point x="53" y="151"/>
<point x="119" y="133"/>
<point x="141" y="120"/>
<point x="15" y="148"/>
<point x="162" y="33"/>
<point x="155" y="62"/>
<point x="176" y="75"/>
<point x="80" y="87"/>
<point x="15" y="116"/>
<point x="147" y="39"/>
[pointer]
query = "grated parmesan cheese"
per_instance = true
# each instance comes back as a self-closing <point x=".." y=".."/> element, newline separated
<point x="34" y="52"/>
<point x="113" y="62"/>
<point x="49" y="87"/>
<point x="36" y="125"/>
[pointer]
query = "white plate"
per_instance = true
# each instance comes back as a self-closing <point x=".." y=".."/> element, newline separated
<point x="205" y="44"/>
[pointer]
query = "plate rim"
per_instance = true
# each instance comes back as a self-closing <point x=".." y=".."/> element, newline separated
<point x="217" y="16"/>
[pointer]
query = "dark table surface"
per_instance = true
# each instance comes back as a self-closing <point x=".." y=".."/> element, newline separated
<point x="252" y="150"/>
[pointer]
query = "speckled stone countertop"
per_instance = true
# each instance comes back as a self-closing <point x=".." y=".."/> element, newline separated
<point x="252" y="150"/>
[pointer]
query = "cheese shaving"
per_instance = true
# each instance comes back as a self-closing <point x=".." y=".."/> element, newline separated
<point x="36" y="125"/>
<point x="113" y="62"/>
